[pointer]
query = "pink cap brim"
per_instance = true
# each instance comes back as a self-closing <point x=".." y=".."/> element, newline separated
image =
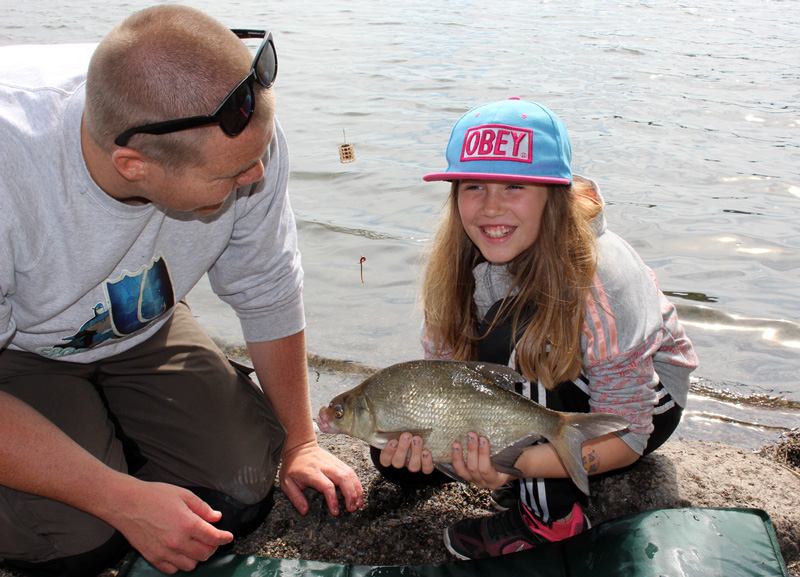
<point x="451" y="176"/>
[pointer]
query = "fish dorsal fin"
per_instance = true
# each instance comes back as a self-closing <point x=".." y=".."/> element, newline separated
<point x="502" y="375"/>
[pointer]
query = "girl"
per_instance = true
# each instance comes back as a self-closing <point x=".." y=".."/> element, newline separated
<point x="523" y="272"/>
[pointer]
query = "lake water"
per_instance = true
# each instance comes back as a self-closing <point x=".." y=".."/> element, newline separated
<point x="687" y="114"/>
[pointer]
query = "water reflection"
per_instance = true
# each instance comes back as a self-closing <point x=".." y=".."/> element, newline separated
<point x="700" y="297"/>
<point x="778" y="332"/>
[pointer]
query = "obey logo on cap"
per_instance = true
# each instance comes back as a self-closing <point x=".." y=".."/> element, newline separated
<point x="511" y="140"/>
<point x="497" y="142"/>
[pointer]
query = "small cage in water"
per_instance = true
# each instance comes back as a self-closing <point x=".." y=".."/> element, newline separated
<point x="346" y="152"/>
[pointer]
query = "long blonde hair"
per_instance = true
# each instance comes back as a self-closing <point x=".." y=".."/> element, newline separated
<point x="551" y="281"/>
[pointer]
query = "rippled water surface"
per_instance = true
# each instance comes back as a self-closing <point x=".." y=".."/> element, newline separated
<point x="686" y="113"/>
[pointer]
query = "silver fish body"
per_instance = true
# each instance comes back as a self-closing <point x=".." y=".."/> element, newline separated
<point x="442" y="401"/>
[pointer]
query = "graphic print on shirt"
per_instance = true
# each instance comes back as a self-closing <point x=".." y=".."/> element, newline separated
<point x="134" y="301"/>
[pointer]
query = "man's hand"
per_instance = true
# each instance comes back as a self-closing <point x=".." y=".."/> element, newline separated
<point x="310" y="466"/>
<point x="283" y="374"/>
<point x="170" y="526"/>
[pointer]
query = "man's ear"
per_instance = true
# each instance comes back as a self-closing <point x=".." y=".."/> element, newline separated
<point x="131" y="164"/>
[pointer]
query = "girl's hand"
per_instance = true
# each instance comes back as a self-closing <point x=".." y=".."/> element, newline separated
<point x="408" y="452"/>
<point x="477" y="466"/>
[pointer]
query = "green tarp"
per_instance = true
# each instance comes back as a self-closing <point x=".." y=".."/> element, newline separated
<point x="665" y="542"/>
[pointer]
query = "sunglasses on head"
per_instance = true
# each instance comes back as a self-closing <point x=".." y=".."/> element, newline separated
<point x="235" y="112"/>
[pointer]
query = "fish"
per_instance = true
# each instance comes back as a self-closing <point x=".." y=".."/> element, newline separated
<point x="442" y="401"/>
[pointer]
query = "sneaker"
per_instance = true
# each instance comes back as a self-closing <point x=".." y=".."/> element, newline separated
<point x="513" y="530"/>
<point x="503" y="498"/>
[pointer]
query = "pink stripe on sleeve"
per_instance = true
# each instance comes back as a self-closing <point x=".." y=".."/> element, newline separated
<point x="602" y="342"/>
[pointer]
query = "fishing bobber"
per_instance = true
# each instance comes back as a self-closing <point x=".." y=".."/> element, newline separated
<point x="346" y="152"/>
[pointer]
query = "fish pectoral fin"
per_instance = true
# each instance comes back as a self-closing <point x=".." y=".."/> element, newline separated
<point x="384" y="437"/>
<point x="505" y="460"/>
<point x="447" y="469"/>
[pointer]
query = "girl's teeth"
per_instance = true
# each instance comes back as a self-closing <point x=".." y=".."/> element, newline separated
<point x="497" y="232"/>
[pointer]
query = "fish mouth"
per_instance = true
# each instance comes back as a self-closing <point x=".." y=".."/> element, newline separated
<point x="323" y="422"/>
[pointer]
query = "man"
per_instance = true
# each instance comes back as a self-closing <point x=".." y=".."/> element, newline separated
<point x="120" y="421"/>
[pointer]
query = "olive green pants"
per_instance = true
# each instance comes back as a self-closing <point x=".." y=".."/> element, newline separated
<point x="172" y="409"/>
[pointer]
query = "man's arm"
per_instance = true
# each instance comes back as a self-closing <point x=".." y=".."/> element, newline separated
<point x="283" y="374"/>
<point x="168" y="525"/>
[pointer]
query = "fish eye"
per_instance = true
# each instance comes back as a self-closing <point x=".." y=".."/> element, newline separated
<point x="338" y="411"/>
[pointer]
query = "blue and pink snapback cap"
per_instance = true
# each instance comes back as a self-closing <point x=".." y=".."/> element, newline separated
<point x="512" y="140"/>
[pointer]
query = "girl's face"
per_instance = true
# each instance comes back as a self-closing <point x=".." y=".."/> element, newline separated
<point x="501" y="218"/>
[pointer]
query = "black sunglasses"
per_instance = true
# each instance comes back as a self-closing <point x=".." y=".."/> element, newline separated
<point x="235" y="112"/>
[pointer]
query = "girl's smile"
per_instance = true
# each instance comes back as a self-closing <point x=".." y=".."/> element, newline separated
<point x="498" y="231"/>
<point x="501" y="218"/>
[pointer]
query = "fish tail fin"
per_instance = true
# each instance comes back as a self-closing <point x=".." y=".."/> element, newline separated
<point x="575" y="429"/>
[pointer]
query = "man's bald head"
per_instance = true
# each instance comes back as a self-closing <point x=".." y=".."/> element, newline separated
<point x="163" y="63"/>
